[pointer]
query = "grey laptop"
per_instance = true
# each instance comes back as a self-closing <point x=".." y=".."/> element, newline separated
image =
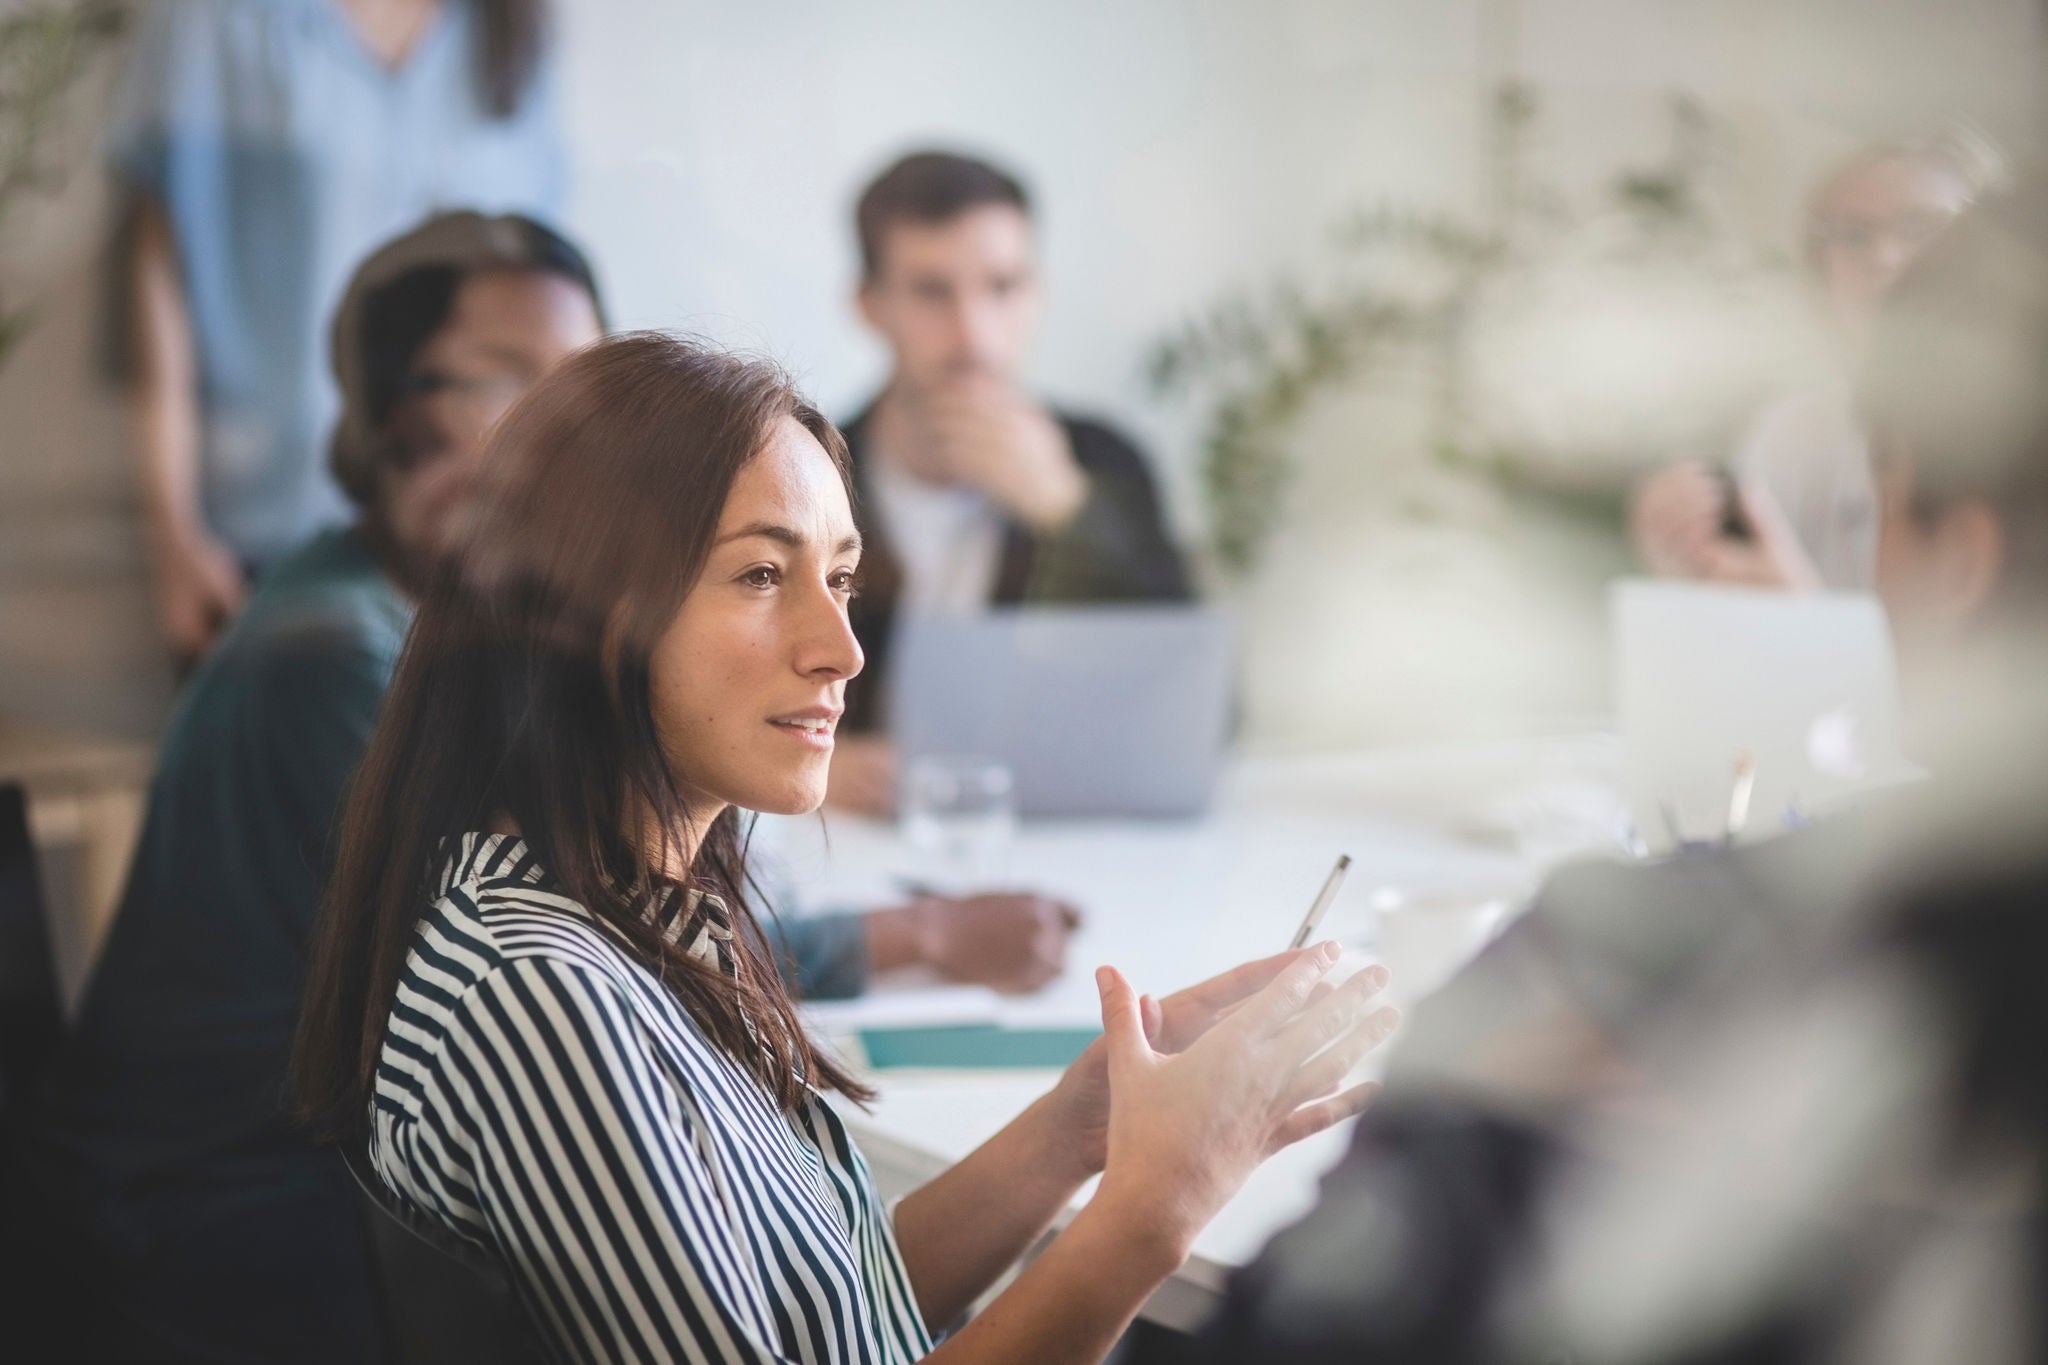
<point x="1109" y="710"/>
<point x="1802" y="682"/>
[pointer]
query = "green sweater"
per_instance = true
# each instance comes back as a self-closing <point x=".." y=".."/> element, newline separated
<point x="178" y="1059"/>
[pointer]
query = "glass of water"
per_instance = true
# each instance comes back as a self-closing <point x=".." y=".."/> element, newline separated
<point x="959" y="818"/>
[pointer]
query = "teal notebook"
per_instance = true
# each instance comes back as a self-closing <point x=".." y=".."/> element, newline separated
<point x="974" y="1046"/>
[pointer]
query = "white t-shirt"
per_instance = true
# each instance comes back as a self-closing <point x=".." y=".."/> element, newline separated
<point x="948" y="539"/>
<point x="1812" y="456"/>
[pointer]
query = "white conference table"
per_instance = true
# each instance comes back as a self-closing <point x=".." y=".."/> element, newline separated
<point x="1173" y="902"/>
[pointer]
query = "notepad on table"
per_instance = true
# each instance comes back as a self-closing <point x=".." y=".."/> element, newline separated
<point x="951" y="1027"/>
<point x="974" y="1046"/>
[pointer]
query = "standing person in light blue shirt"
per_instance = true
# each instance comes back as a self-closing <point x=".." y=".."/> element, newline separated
<point x="265" y="146"/>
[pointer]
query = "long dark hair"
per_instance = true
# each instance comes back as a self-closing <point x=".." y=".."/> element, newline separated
<point x="523" y="694"/>
<point x="512" y="35"/>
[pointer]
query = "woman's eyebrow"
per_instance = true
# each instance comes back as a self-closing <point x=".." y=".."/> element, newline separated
<point x="785" y="535"/>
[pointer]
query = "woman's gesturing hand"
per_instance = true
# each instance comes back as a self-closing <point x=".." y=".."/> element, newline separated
<point x="1172" y="1024"/>
<point x="1187" y="1127"/>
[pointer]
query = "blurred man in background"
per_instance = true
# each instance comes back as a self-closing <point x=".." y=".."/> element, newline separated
<point x="1798" y="508"/>
<point x="1782" y="1104"/>
<point x="972" y="492"/>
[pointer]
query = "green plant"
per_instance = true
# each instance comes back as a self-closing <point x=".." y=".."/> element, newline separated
<point x="1400" y="297"/>
<point x="1266" y="359"/>
<point x="43" y="48"/>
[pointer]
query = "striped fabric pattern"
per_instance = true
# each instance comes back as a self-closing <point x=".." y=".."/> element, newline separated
<point x="541" y="1092"/>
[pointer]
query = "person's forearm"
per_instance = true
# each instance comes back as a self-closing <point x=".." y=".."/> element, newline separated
<point x="1073" y="1302"/>
<point x="164" y="407"/>
<point x="895" y="938"/>
<point x="962" y="1230"/>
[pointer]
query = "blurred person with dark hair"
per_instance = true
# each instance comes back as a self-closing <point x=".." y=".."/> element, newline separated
<point x="210" y="1228"/>
<point x="1780" y="1103"/>
<point x="971" y="491"/>
<point x="263" y="148"/>
<point x="1800" y="508"/>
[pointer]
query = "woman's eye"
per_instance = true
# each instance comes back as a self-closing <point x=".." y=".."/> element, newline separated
<point x="847" y="582"/>
<point x="763" y="577"/>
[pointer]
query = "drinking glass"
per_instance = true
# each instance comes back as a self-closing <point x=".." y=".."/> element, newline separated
<point x="959" y="818"/>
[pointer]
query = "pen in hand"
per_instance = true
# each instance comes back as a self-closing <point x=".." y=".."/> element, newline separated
<point x="1322" y="901"/>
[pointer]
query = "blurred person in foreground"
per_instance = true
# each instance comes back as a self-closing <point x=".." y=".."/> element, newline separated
<point x="971" y="491"/>
<point x="1800" y="507"/>
<point x="1779" y="1104"/>
<point x="262" y="148"/>
<point x="221" y="1227"/>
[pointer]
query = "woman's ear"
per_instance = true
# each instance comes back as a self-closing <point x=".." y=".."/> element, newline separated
<point x="1966" y="561"/>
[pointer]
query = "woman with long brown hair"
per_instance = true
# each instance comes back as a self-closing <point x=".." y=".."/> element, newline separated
<point x="538" y="995"/>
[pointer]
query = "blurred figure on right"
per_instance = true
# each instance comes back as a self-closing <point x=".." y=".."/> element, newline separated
<point x="1778" y="1104"/>
<point x="1798" y="508"/>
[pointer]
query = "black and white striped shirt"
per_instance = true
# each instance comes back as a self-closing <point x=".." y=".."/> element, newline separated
<point x="542" y="1093"/>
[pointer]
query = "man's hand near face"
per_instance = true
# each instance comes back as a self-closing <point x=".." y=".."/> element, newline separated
<point x="983" y="433"/>
<point x="1675" y="518"/>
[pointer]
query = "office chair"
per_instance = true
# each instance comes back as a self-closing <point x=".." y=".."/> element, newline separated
<point x="31" y="1017"/>
<point x="445" y="1299"/>
<point x="36" y="1288"/>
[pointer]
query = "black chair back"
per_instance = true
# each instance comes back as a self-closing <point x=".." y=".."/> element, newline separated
<point x="31" y="1017"/>
<point x="41" y="1289"/>
<point x="445" y="1299"/>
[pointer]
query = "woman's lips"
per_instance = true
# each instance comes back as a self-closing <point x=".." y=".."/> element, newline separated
<point x="813" y="732"/>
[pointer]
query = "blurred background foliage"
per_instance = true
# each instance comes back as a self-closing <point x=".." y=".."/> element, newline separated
<point x="43" y="50"/>
<point x="1410" y="296"/>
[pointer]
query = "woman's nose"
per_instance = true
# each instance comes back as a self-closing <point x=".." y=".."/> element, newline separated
<point x="828" y="648"/>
